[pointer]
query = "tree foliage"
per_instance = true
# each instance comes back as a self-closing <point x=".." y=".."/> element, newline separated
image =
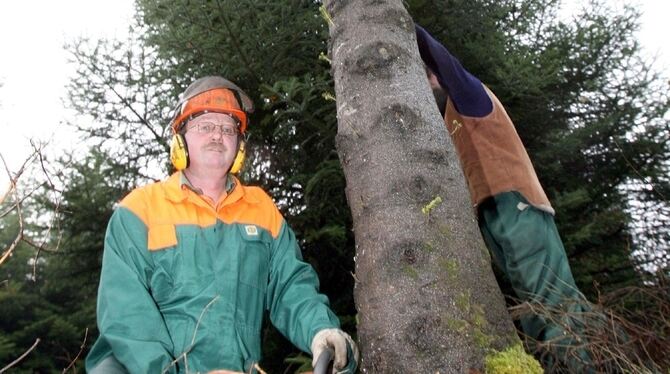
<point x="49" y="294"/>
<point x="591" y="111"/>
<point x="122" y="101"/>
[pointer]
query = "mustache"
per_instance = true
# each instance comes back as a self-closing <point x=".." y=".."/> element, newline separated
<point x="214" y="146"/>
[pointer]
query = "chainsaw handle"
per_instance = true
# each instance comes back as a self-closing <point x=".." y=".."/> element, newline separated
<point x="323" y="363"/>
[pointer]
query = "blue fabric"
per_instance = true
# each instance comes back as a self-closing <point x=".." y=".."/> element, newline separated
<point x="464" y="89"/>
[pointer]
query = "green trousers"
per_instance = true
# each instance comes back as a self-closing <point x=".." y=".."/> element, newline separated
<point x="525" y="244"/>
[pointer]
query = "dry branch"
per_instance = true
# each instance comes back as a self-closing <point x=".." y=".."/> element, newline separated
<point x="19" y="199"/>
<point x="17" y="205"/>
<point x="81" y="349"/>
<point x="37" y="341"/>
<point x="627" y="330"/>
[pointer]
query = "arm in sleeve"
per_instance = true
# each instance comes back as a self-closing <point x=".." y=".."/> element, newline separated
<point x="466" y="91"/>
<point x="131" y="327"/>
<point x="296" y="307"/>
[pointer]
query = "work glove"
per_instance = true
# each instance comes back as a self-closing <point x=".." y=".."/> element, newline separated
<point x="346" y="352"/>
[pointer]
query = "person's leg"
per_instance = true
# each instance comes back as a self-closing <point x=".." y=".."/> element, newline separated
<point x="525" y="243"/>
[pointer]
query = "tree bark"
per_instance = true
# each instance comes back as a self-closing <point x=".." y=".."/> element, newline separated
<point x="426" y="296"/>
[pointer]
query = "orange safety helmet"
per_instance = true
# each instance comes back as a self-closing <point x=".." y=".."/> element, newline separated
<point x="212" y="94"/>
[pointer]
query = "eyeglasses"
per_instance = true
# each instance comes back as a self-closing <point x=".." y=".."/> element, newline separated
<point x="210" y="127"/>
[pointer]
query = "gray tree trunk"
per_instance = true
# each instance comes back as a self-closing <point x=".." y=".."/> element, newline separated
<point x="426" y="296"/>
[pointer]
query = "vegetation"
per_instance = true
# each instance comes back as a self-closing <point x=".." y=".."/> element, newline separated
<point x="591" y="111"/>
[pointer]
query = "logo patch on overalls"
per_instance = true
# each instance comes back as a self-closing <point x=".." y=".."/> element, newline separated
<point x="251" y="230"/>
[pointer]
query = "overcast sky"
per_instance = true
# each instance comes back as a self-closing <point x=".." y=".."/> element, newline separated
<point x="34" y="68"/>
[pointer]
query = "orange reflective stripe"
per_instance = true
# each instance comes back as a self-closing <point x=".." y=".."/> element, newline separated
<point x="166" y="204"/>
<point x="161" y="236"/>
<point x="255" y="208"/>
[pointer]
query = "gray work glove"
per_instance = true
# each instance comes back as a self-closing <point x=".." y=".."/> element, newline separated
<point x="346" y="352"/>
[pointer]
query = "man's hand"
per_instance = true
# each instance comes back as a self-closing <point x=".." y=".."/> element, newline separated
<point x="346" y="352"/>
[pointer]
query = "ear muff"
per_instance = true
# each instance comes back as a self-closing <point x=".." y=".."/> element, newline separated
<point x="179" y="152"/>
<point x="239" y="158"/>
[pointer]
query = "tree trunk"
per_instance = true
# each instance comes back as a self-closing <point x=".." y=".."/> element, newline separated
<point x="425" y="292"/>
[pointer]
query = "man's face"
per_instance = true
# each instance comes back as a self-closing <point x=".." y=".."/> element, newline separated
<point x="212" y="141"/>
<point x="432" y="80"/>
<point x="438" y="92"/>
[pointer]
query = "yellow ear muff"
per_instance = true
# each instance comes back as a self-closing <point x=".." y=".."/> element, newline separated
<point x="239" y="158"/>
<point x="178" y="152"/>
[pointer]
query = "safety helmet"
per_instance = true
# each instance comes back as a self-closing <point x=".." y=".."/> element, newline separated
<point x="212" y="94"/>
